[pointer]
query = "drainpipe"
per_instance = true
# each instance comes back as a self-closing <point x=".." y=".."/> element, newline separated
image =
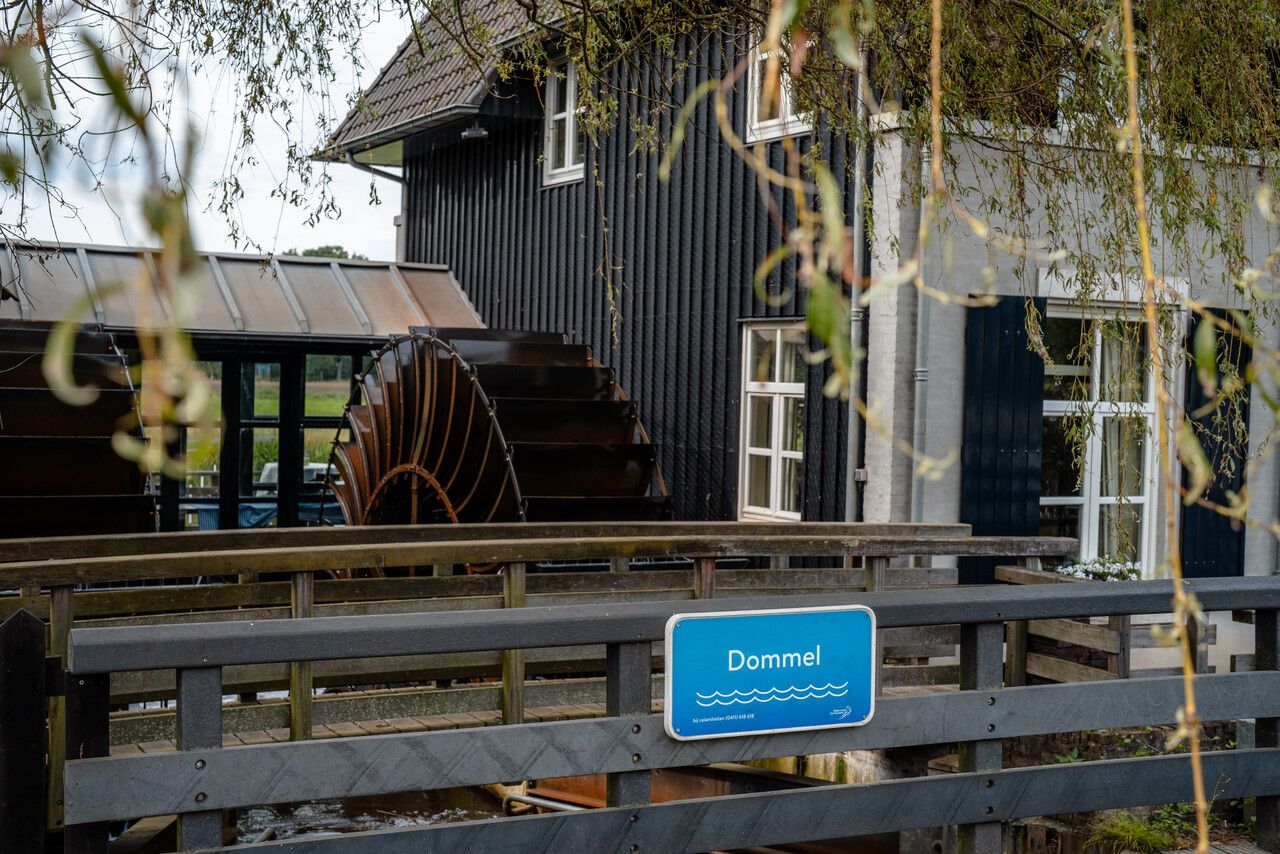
<point x="919" y="429"/>
<point x="858" y="315"/>
<point x="372" y="170"/>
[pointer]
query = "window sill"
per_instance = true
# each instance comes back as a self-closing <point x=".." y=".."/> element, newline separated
<point x="773" y="131"/>
<point x="563" y="176"/>
<point x="753" y="515"/>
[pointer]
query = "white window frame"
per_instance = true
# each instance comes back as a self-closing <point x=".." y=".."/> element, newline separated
<point x="1090" y="500"/>
<point x="571" y="171"/>
<point x="788" y="122"/>
<point x="779" y="392"/>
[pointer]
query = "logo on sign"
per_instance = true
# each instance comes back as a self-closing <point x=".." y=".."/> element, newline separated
<point x="753" y="672"/>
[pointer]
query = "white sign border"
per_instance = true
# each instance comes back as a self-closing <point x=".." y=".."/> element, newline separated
<point x="668" y="663"/>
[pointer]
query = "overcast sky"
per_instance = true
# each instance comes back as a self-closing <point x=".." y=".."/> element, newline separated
<point x="361" y="227"/>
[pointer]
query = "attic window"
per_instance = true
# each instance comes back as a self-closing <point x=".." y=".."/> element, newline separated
<point x="775" y="117"/>
<point x="564" y="147"/>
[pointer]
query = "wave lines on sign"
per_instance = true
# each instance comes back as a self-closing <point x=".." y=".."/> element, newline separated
<point x="830" y="686"/>
<point x="781" y="698"/>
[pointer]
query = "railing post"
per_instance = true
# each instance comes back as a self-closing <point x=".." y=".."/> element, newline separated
<point x="513" y="590"/>
<point x="1015" y="636"/>
<point x="619" y="564"/>
<point x="87" y="736"/>
<point x="981" y="663"/>
<point x="22" y="732"/>
<point x="61" y="615"/>
<point x="1267" y="657"/>
<point x="875" y="571"/>
<point x="704" y="578"/>
<point x="302" y="599"/>
<point x="199" y="727"/>
<point x="628" y="693"/>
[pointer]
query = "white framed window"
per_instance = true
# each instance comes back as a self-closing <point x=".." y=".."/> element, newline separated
<point x="564" y="146"/>
<point x="1098" y="469"/>
<point x="775" y="117"/>
<point x="773" y="404"/>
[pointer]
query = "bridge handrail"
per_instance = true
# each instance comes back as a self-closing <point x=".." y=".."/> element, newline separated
<point x="123" y="648"/>
<point x="759" y="542"/>
<point x="74" y="547"/>
<point x="202" y="778"/>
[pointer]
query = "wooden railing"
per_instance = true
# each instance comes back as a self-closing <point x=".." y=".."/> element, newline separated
<point x="1048" y="659"/>
<point x="201" y="779"/>
<point x="59" y="581"/>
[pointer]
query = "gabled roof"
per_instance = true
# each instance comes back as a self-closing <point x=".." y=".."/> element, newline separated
<point x="271" y="296"/>
<point x="441" y="72"/>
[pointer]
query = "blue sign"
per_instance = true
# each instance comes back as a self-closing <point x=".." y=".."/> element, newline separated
<point x="756" y="672"/>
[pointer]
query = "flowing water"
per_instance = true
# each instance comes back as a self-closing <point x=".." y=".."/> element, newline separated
<point x="380" y="812"/>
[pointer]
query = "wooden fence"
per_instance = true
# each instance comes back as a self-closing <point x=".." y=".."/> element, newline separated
<point x="61" y="583"/>
<point x="202" y="779"/>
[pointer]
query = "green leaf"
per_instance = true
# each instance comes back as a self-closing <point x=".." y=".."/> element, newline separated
<point x="1205" y="349"/>
<point x="1199" y="470"/>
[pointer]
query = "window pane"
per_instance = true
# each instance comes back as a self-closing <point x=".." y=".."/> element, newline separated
<point x="328" y="384"/>
<point x="559" y="90"/>
<point x="760" y="421"/>
<point x="259" y="461"/>
<point x="1123" y="445"/>
<point x="791" y="480"/>
<point x="1120" y="531"/>
<point x="580" y="149"/>
<point x="757" y="480"/>
<point x="1060" y="520"/>
<point x="1061" y="456"/>
<point x="204" y="450"/>
<point x="768" y="106"/>
<point x="793" y="423"/>
<point x="558" y="130"/>
<point x="1069" y="342"/>
<point x="1124" y="363"/>
<point x="763" y="344"/>
<point x="795" y="342"/>
<point x="260" y="390"/>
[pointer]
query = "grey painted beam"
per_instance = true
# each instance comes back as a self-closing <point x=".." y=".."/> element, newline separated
<point x="826" y="812"/>
<point x="204" y="644"/>
<point x="163" y="783"/>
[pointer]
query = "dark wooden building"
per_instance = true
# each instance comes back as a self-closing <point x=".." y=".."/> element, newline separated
<point x="550" y="232"/>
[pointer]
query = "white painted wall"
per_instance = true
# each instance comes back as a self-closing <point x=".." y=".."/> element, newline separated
<point x="959" y="263"/>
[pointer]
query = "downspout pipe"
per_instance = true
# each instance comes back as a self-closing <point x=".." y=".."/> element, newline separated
<point x="920" y="424"/>
<point x="858" y="315"/>
<point x="373" y="170"/>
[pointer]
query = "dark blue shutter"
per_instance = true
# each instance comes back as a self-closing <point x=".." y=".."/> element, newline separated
<point x="1003" y="410"/>
<point x="1212" y="544"/>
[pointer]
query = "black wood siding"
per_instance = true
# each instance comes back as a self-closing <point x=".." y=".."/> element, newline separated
<point x="1003" y="408"/>
<point x="1212" y="545"/>
<point x="680" y="256"/>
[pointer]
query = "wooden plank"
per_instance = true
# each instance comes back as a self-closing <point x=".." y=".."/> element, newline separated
<point x="1027" y="575"/>
<point x="344" y="557"/>
<point x="75" y="547"/>
<point x="513" y="596"/>
<point x="301" y="673"/>
<point x="62" y="615"/>
<point x="1081" y="634"/>
<point x="1058" y="670"/>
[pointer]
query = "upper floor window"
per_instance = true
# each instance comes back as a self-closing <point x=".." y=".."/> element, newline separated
<point x="773" y="117"/>
<point x="1097" y="482"/>
<point x="772" y="446"/>
<point x="564" y="145"/>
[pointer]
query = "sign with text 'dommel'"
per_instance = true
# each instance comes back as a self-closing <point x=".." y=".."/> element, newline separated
<point x="756" y="672"/>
